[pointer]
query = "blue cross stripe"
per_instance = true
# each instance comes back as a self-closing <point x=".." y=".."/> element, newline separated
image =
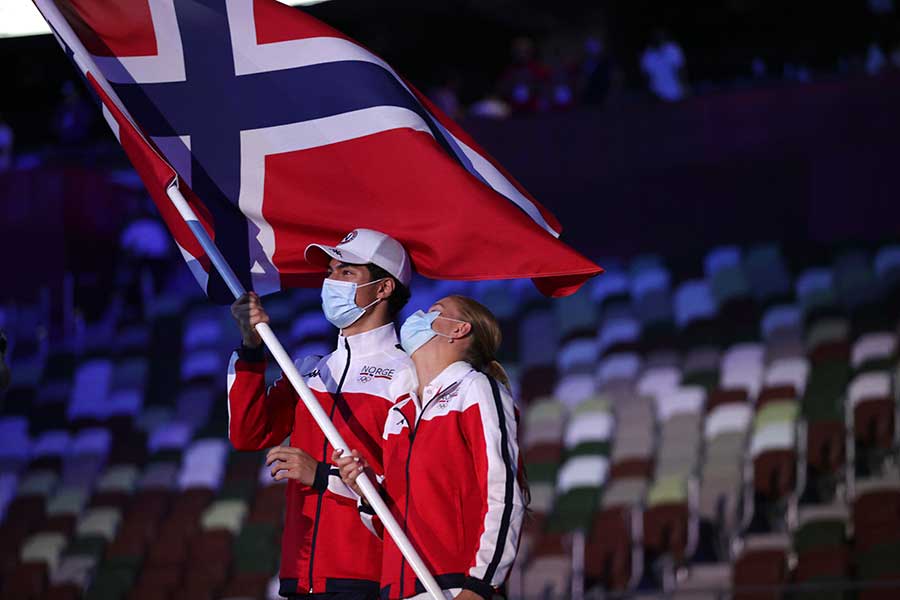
<point x="213" y="105"/>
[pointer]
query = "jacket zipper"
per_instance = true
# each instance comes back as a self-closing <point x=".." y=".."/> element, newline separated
<point x="412" y="438"/>
<point x="337" y="393"/>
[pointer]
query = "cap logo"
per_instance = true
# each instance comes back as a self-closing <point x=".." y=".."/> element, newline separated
<point x="348" y="238"/>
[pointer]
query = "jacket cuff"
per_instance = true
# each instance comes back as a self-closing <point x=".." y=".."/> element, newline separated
<point x="364" y="507"/>
<point x="485" y="590"/>
<point x="320" y="483"/>
<point x="248" y="354"/>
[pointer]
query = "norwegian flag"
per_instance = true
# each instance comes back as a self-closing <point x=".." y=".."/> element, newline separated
<point x="281" y="131"/>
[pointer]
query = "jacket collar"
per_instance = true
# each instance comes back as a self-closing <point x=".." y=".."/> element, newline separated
<point x="451" y="375"/>
<point x="369" y="342"/>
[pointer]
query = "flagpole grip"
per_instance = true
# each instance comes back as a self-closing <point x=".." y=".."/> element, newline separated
<point x="370" y="492"/>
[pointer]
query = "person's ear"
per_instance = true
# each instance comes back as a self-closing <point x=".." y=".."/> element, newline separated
<point x="461" y="330"/>
<point x="386" y="288"/>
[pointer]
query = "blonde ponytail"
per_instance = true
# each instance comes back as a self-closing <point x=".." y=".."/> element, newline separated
<point x="486" y="338"/>
<point x="495" y="369"/>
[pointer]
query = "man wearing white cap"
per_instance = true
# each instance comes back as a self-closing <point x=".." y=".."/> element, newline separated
<point x="326" y="550"/>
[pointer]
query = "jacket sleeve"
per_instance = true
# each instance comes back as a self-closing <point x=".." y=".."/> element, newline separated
<point x="257" y="417"/>
<point x="489" y="426"/>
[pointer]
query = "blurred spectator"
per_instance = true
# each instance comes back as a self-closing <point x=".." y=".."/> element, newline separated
<point x="758" y="68"/>
<point x="145" y="238"/>
<point x="595" y="72"/>
<point x="561" y="80"/>
<point x="490" y="107"/>
<point x="74" y="117"/>
<point x="663" y="64"/>
<point x="6" y="145"/>
<point x="446" y="96"/>
<point x="895" y="56"/>
<point x="4" y="370"/>
<point x="881" y="7"/>
<point x="525" y="79"/>
<point x="147" y="246"/>
<point x="875" y="59"/>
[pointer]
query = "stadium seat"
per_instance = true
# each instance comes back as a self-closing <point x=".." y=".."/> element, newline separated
<point x="770" y="281"/>
<point x="225" y="514"/>
<point x="589" y="429"/>
<point x="577" y="356"/>
<point x="858" y="290"/>
<point x="874" y="351"/>
<point x="657" y="381"/>
<point x="876" y="526"/>
<point x="45" y="548"/>
<point x="634" y="437"/>
<point x="578" y="485"/>
<point x="653" y="305"/>
<point x="38" y="483"/>
<point x="120" y="478"/>
<point x="202" y="364"/>
<point x="696" y="312"/>
<point x="541" y="440"/>
<point x="678" y="415"/>
<point x="617" y="373"/>
<point x="670" y="526"/>
<point x="742" y="368"/>
<point x="68" y="500"/>
<point x="815" y="291"/>
<point x="613" y="555"/>
<point x="612" y="286"/>
<point x="172" y="435"/>
<point x="887" y="271"/>
<point x="537" y="325"/>
<point x="571" y="390"/>
<point x="91" y="442"/>
<point x="205" y="327"/>
<point x="828" y="339"/>
<point x="761" y="562"/>
<point x="872" y="409"/>
<point x="701" y="367"/>
<point x="621" y="334"/>
<point x="785" y="376"/>
<point x="782" y="321"/>
<point x="725" y="435"/>
<point x="100" y="522"/>
<point x="576" y="315"/>
<point x="549" y="572"/>
<point x="820" y="543"/>
<point x="90" y="388"/>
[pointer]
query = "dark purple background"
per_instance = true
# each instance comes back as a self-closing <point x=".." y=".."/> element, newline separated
<point x="799" y="164"/>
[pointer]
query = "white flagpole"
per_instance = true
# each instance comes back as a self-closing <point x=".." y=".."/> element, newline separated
<point x="318" y="413"/>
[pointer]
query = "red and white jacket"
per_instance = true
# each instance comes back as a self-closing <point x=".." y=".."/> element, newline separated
<point x="451" y="478"/>
<point x="325" y="548"/>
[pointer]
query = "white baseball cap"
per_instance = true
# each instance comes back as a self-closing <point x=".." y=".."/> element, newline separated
<point x="364" y="246"/>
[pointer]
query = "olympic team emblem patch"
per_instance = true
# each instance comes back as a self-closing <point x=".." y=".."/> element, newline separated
<point x="368" y="373"/>
<point x="348" y="238"/>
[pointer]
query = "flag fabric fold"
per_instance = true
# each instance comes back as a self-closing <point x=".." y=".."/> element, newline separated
<point x="281" y="131"/>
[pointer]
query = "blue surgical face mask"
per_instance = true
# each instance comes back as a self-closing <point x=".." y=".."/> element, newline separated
<point x="339" y="302"/>
<point x="416" y="331"/>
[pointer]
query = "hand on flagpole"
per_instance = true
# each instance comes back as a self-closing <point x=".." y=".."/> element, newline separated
<point x="287" y="462"/>
<point x="351" y="468"/>
<point x="248" y="312"/>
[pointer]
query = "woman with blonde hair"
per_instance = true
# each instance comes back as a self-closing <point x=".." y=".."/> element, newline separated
<point x="451" y="473"/>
